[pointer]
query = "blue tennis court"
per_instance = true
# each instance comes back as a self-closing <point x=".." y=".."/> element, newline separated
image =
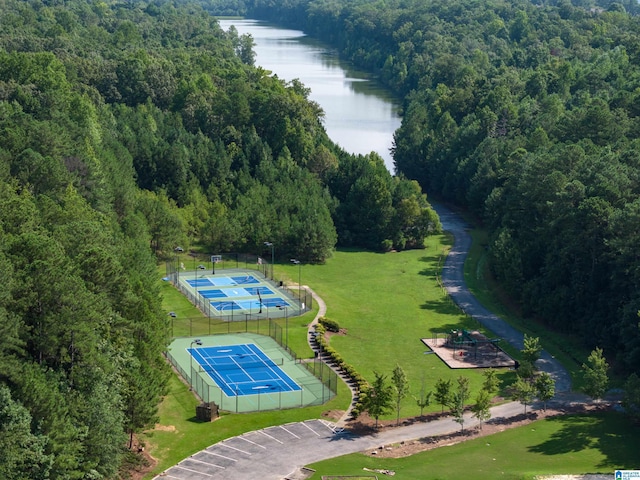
<point x="235" y="292"/>
<point x="259" y="290"/>
<point x="243" y="369"/>
<point x="223" y="306"/>
<point x="222" y="281"/>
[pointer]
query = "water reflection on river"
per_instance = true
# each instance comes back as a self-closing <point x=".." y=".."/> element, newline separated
<point x="359" y="115"/>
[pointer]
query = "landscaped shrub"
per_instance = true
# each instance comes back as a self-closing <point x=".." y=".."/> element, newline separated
<point x="330" y="325"/>
<point x="361" y="385"/>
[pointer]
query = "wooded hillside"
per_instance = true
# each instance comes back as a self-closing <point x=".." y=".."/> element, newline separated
<point x="527" y="114"/>
<point x="126" y="129"/>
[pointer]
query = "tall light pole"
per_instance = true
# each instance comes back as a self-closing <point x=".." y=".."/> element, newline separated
<point x="197" y="341"/>
<point x="286" y="313"/>
<point x="297" y="262"/>
<point x="269" y="244"/>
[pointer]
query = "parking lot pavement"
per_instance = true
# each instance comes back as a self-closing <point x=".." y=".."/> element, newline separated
<point x="274" y="453"/>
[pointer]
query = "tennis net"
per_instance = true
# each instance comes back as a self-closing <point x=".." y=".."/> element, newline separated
<point x="209" y="367"/>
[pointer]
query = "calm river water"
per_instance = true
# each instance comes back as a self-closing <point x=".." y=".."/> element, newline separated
<point x="359" y="115"/>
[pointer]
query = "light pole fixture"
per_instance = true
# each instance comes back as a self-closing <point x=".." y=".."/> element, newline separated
<point x="270" y="244"/>
<point x="297" y="262"/>
<point x="197" y="341"/>
<point x="286" y="323"/>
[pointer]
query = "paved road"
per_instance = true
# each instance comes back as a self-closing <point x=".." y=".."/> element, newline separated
<point x="279" y="452"/>
<point x="453" y="280"/>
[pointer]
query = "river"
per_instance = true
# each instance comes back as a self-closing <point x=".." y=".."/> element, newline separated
<point x="360" y="116"/>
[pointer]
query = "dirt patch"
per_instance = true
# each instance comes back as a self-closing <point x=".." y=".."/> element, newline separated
<point x="138" y="462"/>
<point x="341" y="332"/>
<point x="333" y="415"/>
<point x="366" y="425"/>
<point x="165" y="428"/>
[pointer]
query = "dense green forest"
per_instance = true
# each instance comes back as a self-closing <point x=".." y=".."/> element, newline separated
<point x="126" y="129"/>
<point x="528" y="115"/>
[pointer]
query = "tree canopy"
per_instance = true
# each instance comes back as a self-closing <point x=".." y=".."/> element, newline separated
<point x="126" y="129"/>
<point x="525" y="113"/>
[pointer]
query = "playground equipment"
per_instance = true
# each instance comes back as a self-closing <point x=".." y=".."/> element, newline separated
<point x="465" y="341"/>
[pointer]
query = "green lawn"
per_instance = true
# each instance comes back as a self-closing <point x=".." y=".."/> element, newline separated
<point x="386" y="302"/>
<point x="597" y="443"/>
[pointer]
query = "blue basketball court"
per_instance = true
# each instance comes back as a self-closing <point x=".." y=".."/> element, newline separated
<point x="243" y="370"/>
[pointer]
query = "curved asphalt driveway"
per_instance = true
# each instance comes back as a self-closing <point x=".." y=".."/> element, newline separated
<point x="453" y="280"/>
<point x="279" y="452"/>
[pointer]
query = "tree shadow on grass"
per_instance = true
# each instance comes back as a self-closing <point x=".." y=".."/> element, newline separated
<point x="576" y="434"/>
<point x="443" y="306"/>
<point x="608" y="432"/>
<point x="434" y="264"/>
<point x="445" y="329"/>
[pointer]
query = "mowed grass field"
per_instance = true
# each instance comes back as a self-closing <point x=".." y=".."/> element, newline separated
<point x="386" y="302"/>
<point x="599" y="443"/>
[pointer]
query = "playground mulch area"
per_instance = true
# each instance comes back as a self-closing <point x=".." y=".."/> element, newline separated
<point x="482" y="354"/>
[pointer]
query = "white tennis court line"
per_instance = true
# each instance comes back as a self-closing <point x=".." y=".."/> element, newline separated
<point x="277" y="373"/>
<point x="283" y="382"/>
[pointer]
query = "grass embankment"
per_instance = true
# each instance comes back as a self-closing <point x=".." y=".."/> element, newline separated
<point x="598" y="443"/>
